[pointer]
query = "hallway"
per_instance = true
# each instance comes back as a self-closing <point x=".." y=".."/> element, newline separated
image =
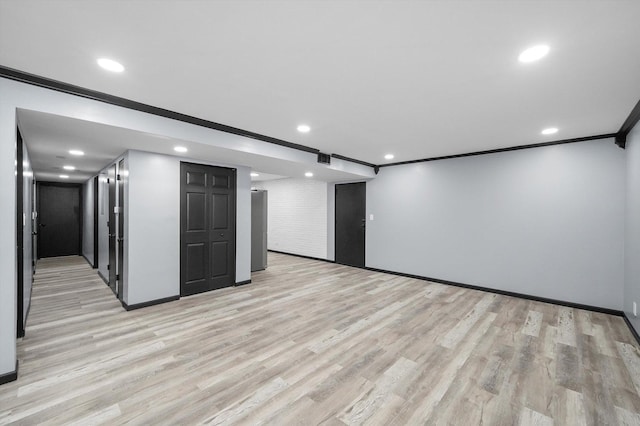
<point x="311" y="342"/>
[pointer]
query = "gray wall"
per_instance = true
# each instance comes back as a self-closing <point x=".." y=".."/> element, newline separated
<point x="88" y="214"/>
<point x="103" y="229"/>
<point x="7" y="235"/>
<point x="544" y="221"/>
<point x="632" y="234"/>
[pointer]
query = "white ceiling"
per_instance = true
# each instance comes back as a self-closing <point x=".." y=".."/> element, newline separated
<point x="50" y="137"/>
<point x="417" y="78"/>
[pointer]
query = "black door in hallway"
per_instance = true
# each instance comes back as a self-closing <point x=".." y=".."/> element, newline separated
<point x="113" y="271"/>
<point x="350" y="223"/>
<point x="207" y="228"/>
<point x="59" y="219"/>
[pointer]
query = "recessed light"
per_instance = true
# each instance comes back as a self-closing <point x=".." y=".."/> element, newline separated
<point x="308" y="174"/>
<point x="110" y="65"/>
<point x="303" y="128"/>
<point x="76" y="152"/>
<point x="68" y="167"/>
<point x="64" y="176"/>
<point x="180" y="149"/>
<point x="389" y="157"/>
<point x="254" y="174"/>
<point x="534" y="53"/>
<point x="550" y="131"/>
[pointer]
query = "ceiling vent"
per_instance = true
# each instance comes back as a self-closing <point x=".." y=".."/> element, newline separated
<point x="324" y="158"/>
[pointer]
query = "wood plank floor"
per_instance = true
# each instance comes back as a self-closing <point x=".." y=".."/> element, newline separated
<point x="316" y="343"/>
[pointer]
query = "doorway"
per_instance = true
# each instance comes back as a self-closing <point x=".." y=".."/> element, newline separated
<point x="207" y="228"/>
<point x="59" y="219"/>
<point x="351" y="204"/>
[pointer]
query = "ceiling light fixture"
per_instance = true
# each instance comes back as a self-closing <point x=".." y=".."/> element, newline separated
<point x="308" y="174"/>
<point x="254" y="174"/>
<point x="110" y="65"/>
<point x="76" y="152"/>
<point x="303" y="128"/>
<point x="534" y="53"/>
<point x="68" y="167"/>
<point x="550" y="131"/>
<point x="180" y="149"/>
<point x="64" y="176"/>
<point x="389" y="157"/>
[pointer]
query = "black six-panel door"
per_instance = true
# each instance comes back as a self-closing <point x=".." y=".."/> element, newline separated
<point x="207" y="228"/>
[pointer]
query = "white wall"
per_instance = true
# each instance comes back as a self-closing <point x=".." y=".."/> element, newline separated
<point x="545" y="221"/>
<point x="297" y="219"/>
<point x="632" y="231"/>
<point x="88" y="212"/>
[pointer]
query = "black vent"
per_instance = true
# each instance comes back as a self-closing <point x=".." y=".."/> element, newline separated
<point x="324" y="158"/>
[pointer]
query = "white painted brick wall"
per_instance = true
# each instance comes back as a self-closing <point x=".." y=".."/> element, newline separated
<point x="297" y="216"/>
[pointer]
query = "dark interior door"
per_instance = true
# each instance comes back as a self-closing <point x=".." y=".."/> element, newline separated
<point x="120" y="180"/>
<point x="60" y="219"/>
<point x="112" y="227"/>
<point x="207" y="228"/>
<point x="20" y="218"/>
<point x="351" y="203"/>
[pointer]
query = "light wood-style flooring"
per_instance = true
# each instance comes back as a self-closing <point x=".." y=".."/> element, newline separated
<point x="310" y="343"/>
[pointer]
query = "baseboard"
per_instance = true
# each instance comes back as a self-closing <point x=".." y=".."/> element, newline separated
<point x="243" y="282"/>
<point x="106" y="281"/>
<point x="506" y="293"/>
<point x="302" y="256"/>
<point x="633" y="330"/>
<point x="149" y="303"/>
<point x="9" y="377"/>
<point x="88" y="261"/>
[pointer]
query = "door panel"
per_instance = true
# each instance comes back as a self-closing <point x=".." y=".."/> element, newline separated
<point x="196" y="211"/>
<point x="196" y="262"/>
<point x="59" y="219"/>
<point x="350" y="223"/>
<point x="196" y="178"/>
<point x="220" y="211"/>
<point x="207" y="228"/>
<point x="219" y="257"/>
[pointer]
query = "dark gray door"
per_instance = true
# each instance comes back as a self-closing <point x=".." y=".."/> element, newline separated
<point x="59" y="223"/>
<point x="112" y="227"/>
<point x="351" y="203"/>
<point x="120" y="179"/>
<point x="20" y="218"/>
<point x="207" y="228"/>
